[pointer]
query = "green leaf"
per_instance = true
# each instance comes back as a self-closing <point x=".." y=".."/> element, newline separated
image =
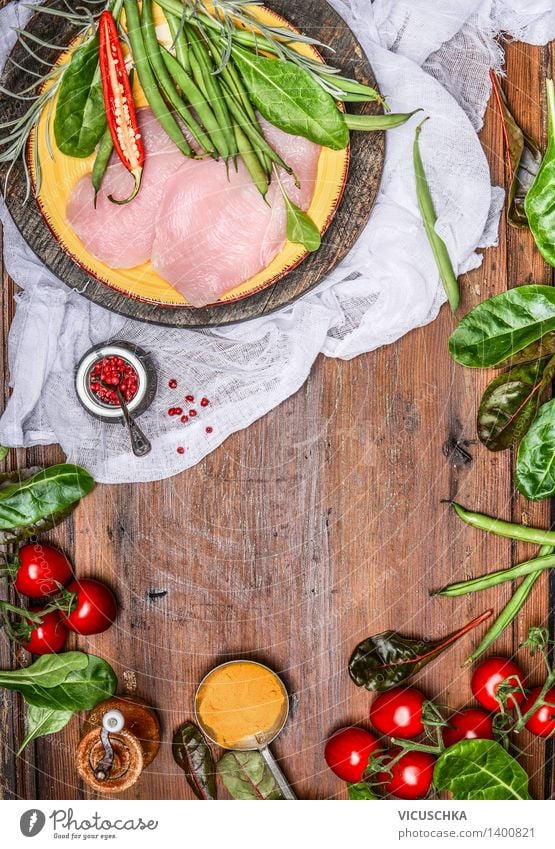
<point x="361" y="790"/>
<point x="4" y="452"/>
<point x="510" y="403"/>
<point x="80" y="118"/>
<point x="524" y="158"/>
<point x="44" y="721"/>
<point x="289" y="98"/>
<point x="70" y="681"/>
<point x="192" y="753"/>
<point x="541" y="196"/>
<point x="42" y="496"/>
<point x="301" y="229"/>
<point x="502" y="326"/>
<point x="535" y="465"/>
<point x="246" y="776"/>
<point x="479" y="770"/>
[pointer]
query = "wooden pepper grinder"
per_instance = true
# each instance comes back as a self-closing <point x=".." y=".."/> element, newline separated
<point x="121" y="738"/>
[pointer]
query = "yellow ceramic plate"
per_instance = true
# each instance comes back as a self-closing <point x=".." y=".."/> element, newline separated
<point x="61" y="174"/>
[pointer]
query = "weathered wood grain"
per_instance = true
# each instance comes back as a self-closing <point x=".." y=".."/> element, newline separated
<point x="367" y="150"/>
<point x="319" y="525"/>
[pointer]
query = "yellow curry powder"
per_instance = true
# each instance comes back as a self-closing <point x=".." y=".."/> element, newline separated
<point x="240" y="700"/>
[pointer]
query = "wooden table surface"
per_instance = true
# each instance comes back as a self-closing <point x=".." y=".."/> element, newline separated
<point x="316" y="527"/>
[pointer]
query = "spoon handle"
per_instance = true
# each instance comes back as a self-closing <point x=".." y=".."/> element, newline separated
<point x="278" y="775"/>
<point x="139" y="443"/>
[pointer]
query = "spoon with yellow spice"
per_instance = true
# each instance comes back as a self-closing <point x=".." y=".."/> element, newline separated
<point x="243" y="706"/>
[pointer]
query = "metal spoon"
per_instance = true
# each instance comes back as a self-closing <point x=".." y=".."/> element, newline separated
<point x="139" y="443"/>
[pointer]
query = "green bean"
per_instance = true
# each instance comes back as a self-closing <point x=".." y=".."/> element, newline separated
<point x="504" y="529"/>
<point x="252" y="162"/>
<point x="352" y="91"/>
<point x="148" y="81"/>
<point x="103" y="154"/>
<point x="213" y="90"/>
<point x="165" y="81"/>
<point x="179" y="40"/>
<point x="510" y="611"/>
<point x="378" y="122"/>
<point x="538" y="564"/>
<point x="254" y="135"/>
<point x="429" y="218"/>
<point x="197" y="101"/>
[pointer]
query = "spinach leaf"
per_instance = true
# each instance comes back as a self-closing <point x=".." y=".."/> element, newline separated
<point x="524" y="158"/>
<point x="80" y="117"/>
<point x="43" y="721"/>
<point x="192" y="753"/>
<point x="510" y="403"/>
<point x="301" y="229"/>
<point x="292" y="100"/>
<point x="535" y="465"/>
<point x="360" y="790"/>
<point x="246" y="776"/>
<point x="541" y="196"/>
<point x="503" y="325"/>
<point x="69" y="681"/>
<point x="45" y="495"/>
<point x="480" y="769"/>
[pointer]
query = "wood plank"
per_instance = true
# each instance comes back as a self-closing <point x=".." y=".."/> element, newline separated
<point x="319" y="525"/>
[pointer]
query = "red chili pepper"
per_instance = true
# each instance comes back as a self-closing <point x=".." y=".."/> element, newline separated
<point x="118" y="100"/>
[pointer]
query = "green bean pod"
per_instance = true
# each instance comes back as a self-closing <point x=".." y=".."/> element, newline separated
<point x="179" y="40"/>
<point x="213" y="90"/>
<point x="148" y="80"/>
<point x="101" y="162"/>
<point x="538" y="564"/>
<point x="378" y="122"/>
<point x="166" y="83"/>
<point x="252" y="162"/>
<point x="197" y="100"/>
<point x="429" y="218"/>
<point x="510" y="611"/>
<point x="255" y="136"/>
<point x="501" y="528"/>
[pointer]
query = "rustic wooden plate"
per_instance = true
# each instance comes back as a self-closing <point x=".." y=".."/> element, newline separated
<point x="318" y="19"/>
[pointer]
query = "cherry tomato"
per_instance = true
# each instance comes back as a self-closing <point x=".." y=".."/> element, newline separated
<point x="487" y="677"/>
<point x="348" y="751"/>
<point x="542" y="722"/>
<point x="411" y="777"/>
<point x="398" y="712"/>
<point x="49" y="636"/>
<point x="41" y="569"/>
<point x="468" y="724"/>
<point x="95" y="610"/>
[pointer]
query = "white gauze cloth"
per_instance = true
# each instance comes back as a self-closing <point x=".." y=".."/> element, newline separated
<point x="430" y="55"/>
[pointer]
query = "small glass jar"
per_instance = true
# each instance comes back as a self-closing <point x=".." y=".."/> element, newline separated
<point x="134" y="357"/>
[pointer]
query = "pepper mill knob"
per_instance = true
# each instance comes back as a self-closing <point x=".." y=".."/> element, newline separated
<point x="121" y="738"/>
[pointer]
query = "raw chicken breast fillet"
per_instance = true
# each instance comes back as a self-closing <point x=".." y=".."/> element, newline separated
<point x="214" y="230"/>
<point x="122" y="236"/>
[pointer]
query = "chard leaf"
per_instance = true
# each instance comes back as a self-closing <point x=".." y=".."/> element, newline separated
<point x="301" y="229"/>
<point x="289" y="98"/>
<point x="4" y="452"/>
<point x="535" y="465"/>
<point x="479" y="770"/>
<point x="510" y="403"/>
<point x="80" y="118"/>
<point x="246" y="776"/>
<point x="43" y="721"/>
<point x="524" y="158"/>
<point x="192" y="753"/>
<point x="502" y="326"/>
<point x="541" y="195"/>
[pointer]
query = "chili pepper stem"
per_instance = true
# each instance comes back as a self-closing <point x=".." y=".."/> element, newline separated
<point x="137" y="174"/>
